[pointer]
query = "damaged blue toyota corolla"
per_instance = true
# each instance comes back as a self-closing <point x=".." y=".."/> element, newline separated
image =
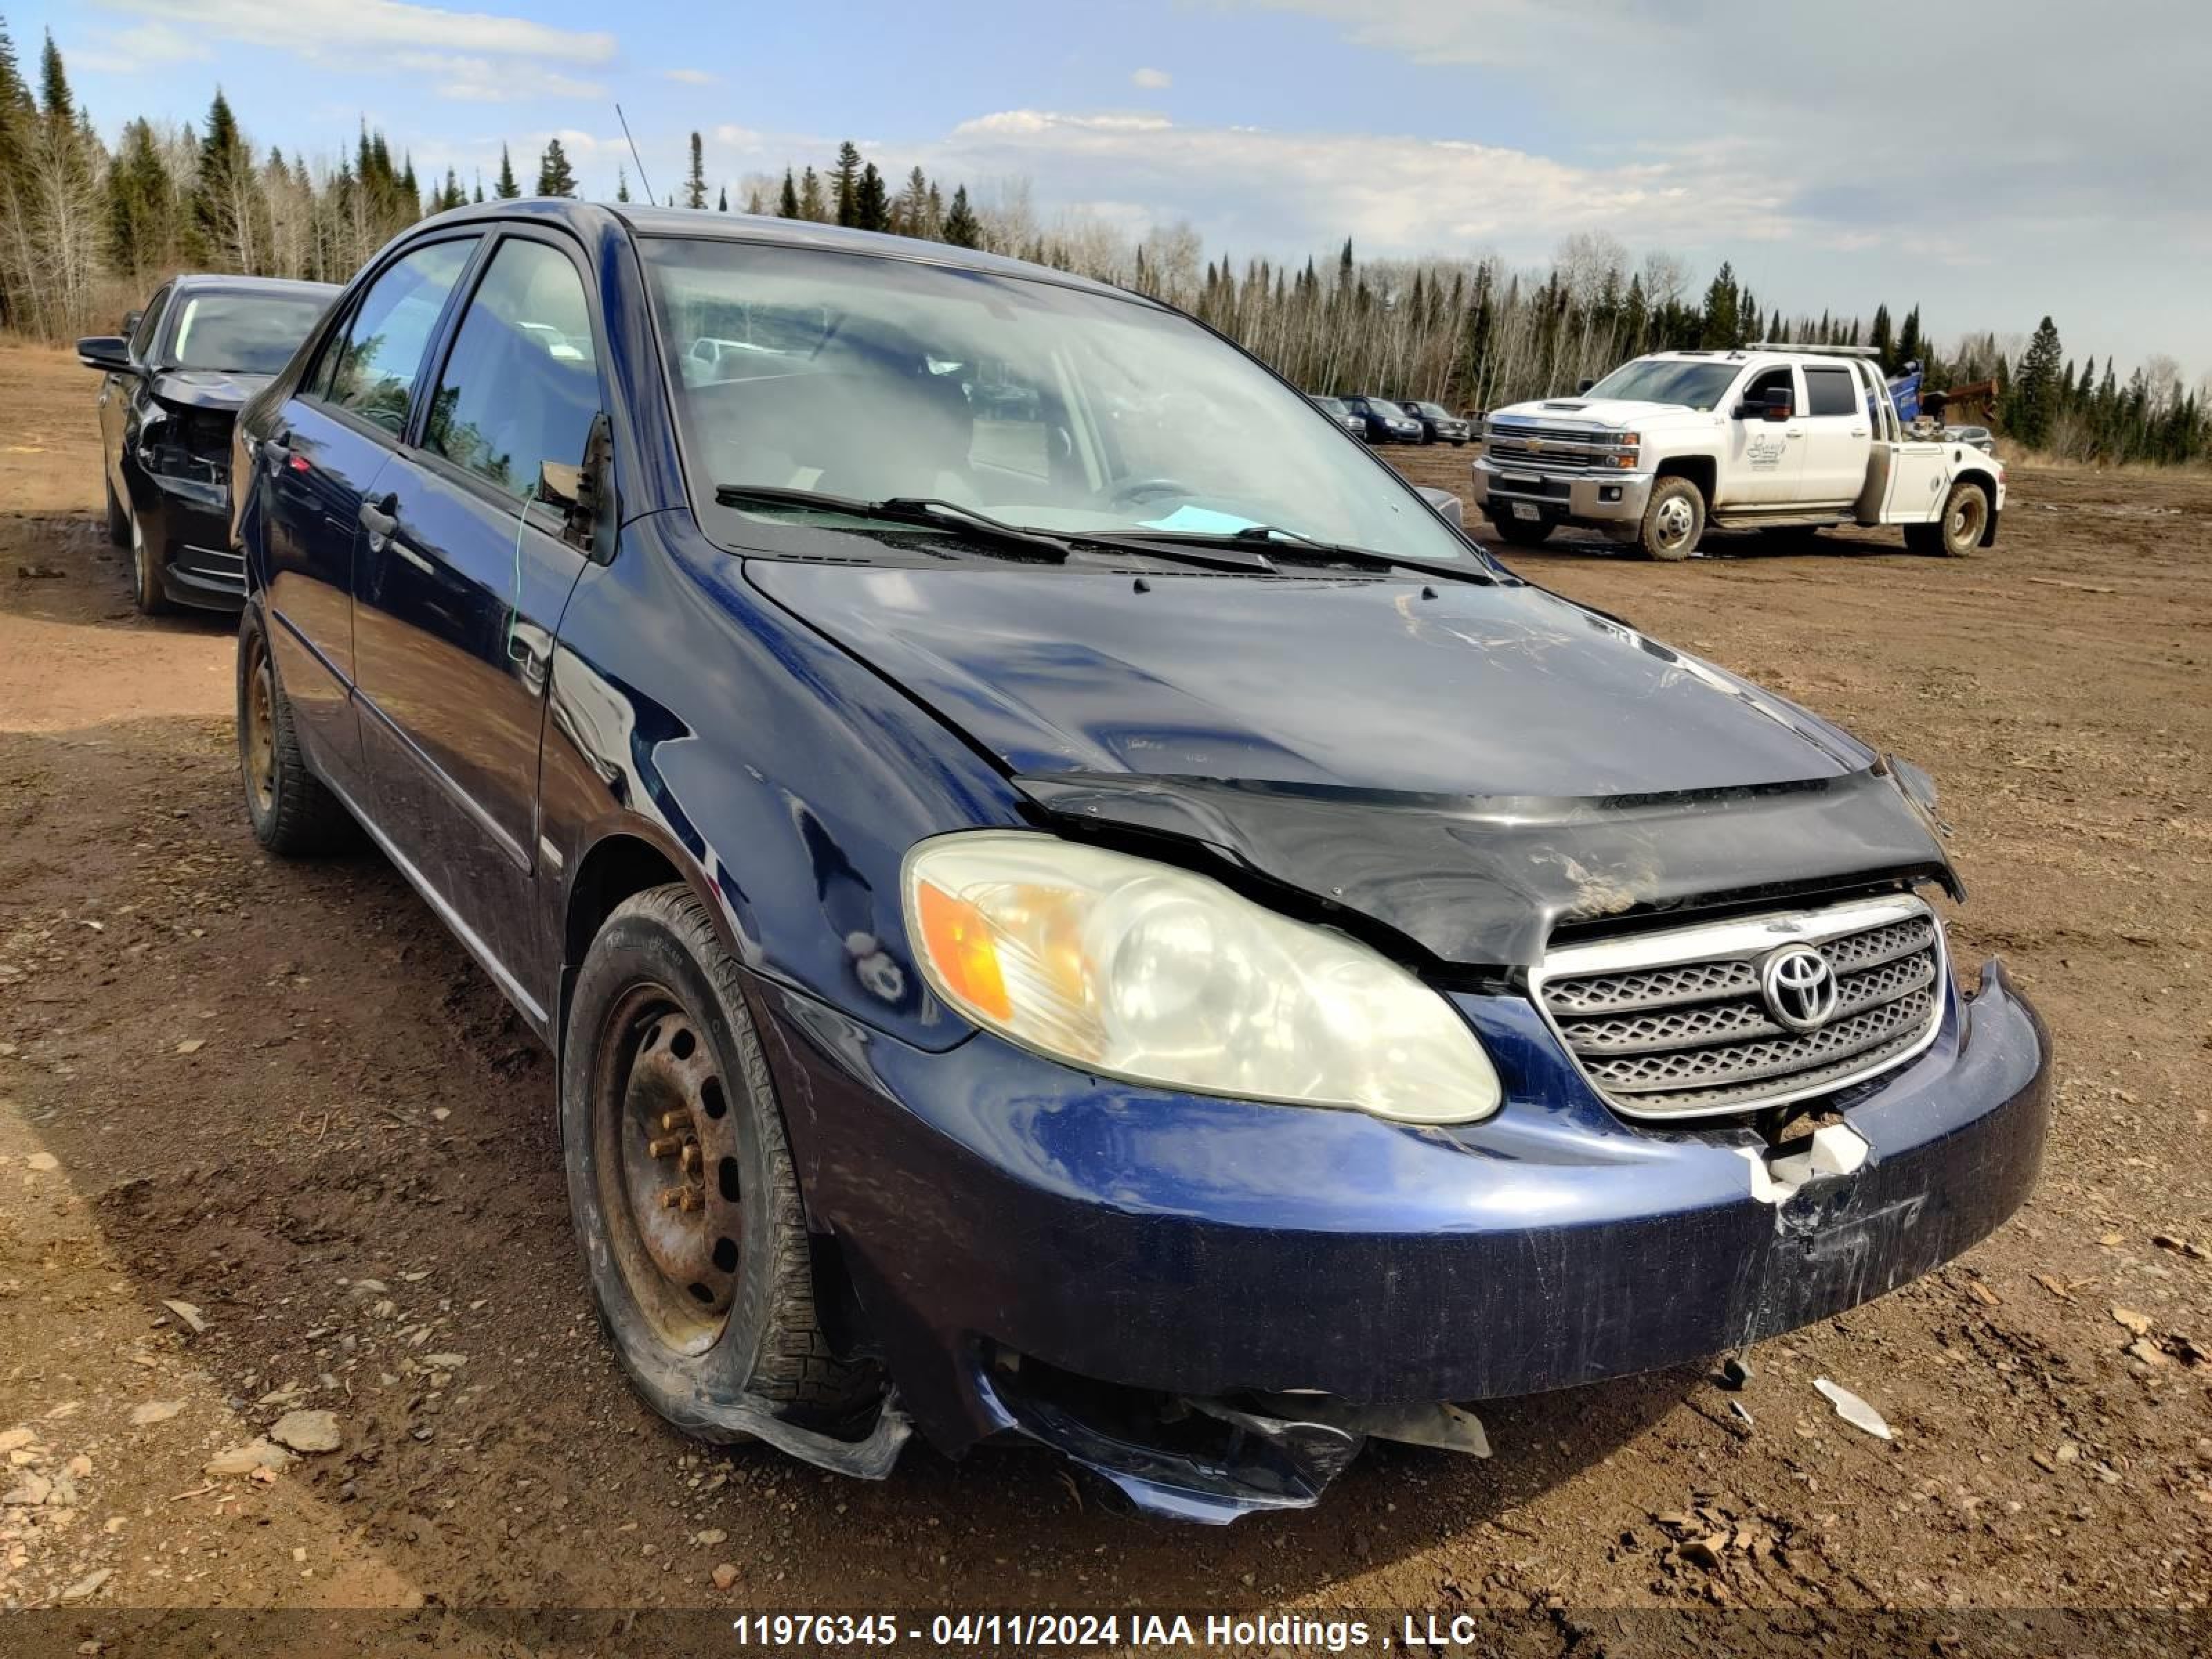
<point x="1070" y="902"/>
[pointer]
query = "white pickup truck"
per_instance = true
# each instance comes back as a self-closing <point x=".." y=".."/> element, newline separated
<point x="1769" y="437"/>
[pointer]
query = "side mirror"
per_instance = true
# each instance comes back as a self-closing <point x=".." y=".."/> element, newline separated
<point x="1778" y="405"/>
<point x="585" y="493"/>
<point x="1449" y="507"/>
<point x="108" y="353"/>
<point x="1583" y="385"/>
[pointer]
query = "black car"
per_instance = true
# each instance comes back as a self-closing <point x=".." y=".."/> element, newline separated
<point x="170" y="385"/>
<point x="1382" y="421"/>
<point x="1004" y="981"/>
<point x="1335" y="409"/>
<point x="1439" y="425"/>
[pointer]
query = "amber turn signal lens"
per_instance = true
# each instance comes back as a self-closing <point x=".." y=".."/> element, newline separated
<point x="960" y="943"/>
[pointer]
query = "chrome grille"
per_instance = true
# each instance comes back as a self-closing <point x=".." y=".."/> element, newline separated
<point x="1675" y="1024"/>
<point x="1554" y="448"/>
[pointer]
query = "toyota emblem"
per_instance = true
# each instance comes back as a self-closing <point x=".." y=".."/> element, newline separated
<point x="1799" y="988"/>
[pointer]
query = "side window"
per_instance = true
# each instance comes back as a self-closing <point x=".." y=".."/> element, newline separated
<point x="149" y="325"/>
<point x="372" y="372"/>
<point x="1769" y="379"/>
<point x="521" y="386"/>
<point x="1828" y="392"/>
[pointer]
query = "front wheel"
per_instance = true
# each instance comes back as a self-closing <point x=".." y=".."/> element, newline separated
<point x="146" y="590"/>
<point x="681" y="1182"/>
<point x="1674" y="520"/>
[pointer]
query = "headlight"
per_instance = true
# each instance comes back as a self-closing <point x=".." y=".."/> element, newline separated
<point x="1141" y="970"/>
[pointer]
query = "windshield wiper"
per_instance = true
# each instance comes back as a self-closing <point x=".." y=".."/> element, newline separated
<point x="1296" y="547"/>
<point x="928" y="511"/>
<point x="937" y="513"/>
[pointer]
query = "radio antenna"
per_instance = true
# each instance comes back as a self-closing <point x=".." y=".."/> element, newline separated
<point x="635" y="156"/>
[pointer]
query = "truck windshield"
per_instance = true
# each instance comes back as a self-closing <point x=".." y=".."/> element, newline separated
<point x="1668" y="380"/>
<point x="1048" y="407"/>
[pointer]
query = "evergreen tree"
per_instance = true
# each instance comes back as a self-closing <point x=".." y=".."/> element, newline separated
<point x="847" y="191"/>
<point x="1909" y="345"/>
<point x="811" y="202"/>
<point x="786" y="205"/>
<point x="962" y="230"/>
<point x="695" y="182"/>
<point x="622" y="184"/>
<point x="144" y="221"/>
<point x="722" y="201"/>
<point x="870" y="206"/>
<point x="2033" y="399"/>
<point x="505" y="190"/>
<point x="229" y="216"/>
<point x="1719" y="326"/>
<point x="1882" y="340"/>
<point x="554" y="176"/>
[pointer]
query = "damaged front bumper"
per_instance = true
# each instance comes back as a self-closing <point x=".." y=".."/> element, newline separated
<point x="1037" y="1252"/>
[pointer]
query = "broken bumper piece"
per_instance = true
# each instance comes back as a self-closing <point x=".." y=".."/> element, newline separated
<point x="985" y="1201"/>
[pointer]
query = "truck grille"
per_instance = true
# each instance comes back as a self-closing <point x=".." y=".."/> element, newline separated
<point x="1552" y="448"/>
<point x="1681" y="1024"/>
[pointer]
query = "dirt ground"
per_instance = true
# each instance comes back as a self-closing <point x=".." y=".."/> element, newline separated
<point x="279" y="1095"/>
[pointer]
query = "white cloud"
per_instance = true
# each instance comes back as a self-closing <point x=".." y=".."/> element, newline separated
<point x="691" y="77"/>
<point x="1152" y="80"/>
<point x="324" y="25"/>
<point x="483" y="81"/>
<point x="141" y="46"/>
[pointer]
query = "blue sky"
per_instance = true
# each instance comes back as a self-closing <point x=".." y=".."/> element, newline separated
<point x="1989" y="163"/>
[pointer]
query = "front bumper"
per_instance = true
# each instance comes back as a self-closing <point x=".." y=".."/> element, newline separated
<point x="984" y="1201"/>
<point x="187" y="524"/>
<point x="1611" y="501"/>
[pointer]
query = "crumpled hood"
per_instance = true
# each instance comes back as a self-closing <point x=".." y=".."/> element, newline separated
<point x="207" y="388"/>
<point x="1379" y="749"/>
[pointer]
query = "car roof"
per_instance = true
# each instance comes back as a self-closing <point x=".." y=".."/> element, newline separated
<point x="588" y="220"/>
<point x="217" y="282"/>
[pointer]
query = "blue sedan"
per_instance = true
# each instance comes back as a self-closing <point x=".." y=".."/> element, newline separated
<point x="1069" y="903"/>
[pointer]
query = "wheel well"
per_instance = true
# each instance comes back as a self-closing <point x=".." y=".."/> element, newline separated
<point x="611" y="872"/>
<point x="1702" y="471"/>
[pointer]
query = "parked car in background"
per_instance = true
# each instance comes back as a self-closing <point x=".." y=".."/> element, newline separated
<point x="1979" y="436"/>
<point x="1382" y="421"/>
<point x="1439" y="425"/>
<point x="1335" y="409"/>
<point x="1003" y="976"/>
<point x="170" y="387"/>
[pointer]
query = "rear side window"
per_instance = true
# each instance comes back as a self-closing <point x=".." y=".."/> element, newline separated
<point x="521" y="386"/>
<point x="1829" y="392"/>
<point x="372" y="371"/>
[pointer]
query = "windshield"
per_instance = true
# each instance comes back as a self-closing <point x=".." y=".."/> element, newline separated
<point x="1047" y="407"/>
<point x="245" y="333"/>
<point x="1330" y="406"/>
<point x="1668" y="380"/>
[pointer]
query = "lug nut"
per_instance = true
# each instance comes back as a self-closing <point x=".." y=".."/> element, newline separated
<point x="671" y="1119"/>
<point x="692" y="1199"/>
<point x="665" y="1145"/>
<point x="691" y="1158"/>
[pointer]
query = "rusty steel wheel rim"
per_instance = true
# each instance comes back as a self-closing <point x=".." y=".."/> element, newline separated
<point x="261" y="729"/>
<point x="666" y="1152"/>
<point x="1966" y="520"/>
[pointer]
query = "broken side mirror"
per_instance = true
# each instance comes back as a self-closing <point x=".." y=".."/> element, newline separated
<point x="1449" y="507"/>
<point x="584" y="494"/>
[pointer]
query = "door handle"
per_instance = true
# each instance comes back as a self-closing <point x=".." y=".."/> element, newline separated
<point x="1793" y="431"/>
<point x="1858" y="432"/>
<point x="379" y="520"/>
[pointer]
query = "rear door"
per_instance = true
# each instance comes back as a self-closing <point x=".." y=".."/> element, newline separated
<point x="330" y="443"/>
<point x="461" y="587"/>
<point x="1839" y="436"/>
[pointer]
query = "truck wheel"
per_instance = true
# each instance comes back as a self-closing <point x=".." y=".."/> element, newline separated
<point x="681" y="1183"/>
<point x="1965" y="516"/>
<point x="1522" y="533"/>
<point x="291" y="811"/>
<point x="1674" y="520"/>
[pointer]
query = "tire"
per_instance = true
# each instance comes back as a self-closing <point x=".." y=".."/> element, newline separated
<point x="146" y="590"/>
<point x="118" y="525"/>
<point x="665" y="1100"/>
<point x="1674" y="520"/>
<point x="293" y="815"/>
<point x="1522" y="533"/>
<point x="1966" y="518"/>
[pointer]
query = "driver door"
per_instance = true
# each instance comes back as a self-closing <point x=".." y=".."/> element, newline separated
<point x="1766" y="458"/>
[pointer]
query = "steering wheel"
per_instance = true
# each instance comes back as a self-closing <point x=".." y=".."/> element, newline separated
<point x="1138" y="489"/>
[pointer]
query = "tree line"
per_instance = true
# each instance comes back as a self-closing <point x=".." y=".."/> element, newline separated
<point x="86" y="232"/>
